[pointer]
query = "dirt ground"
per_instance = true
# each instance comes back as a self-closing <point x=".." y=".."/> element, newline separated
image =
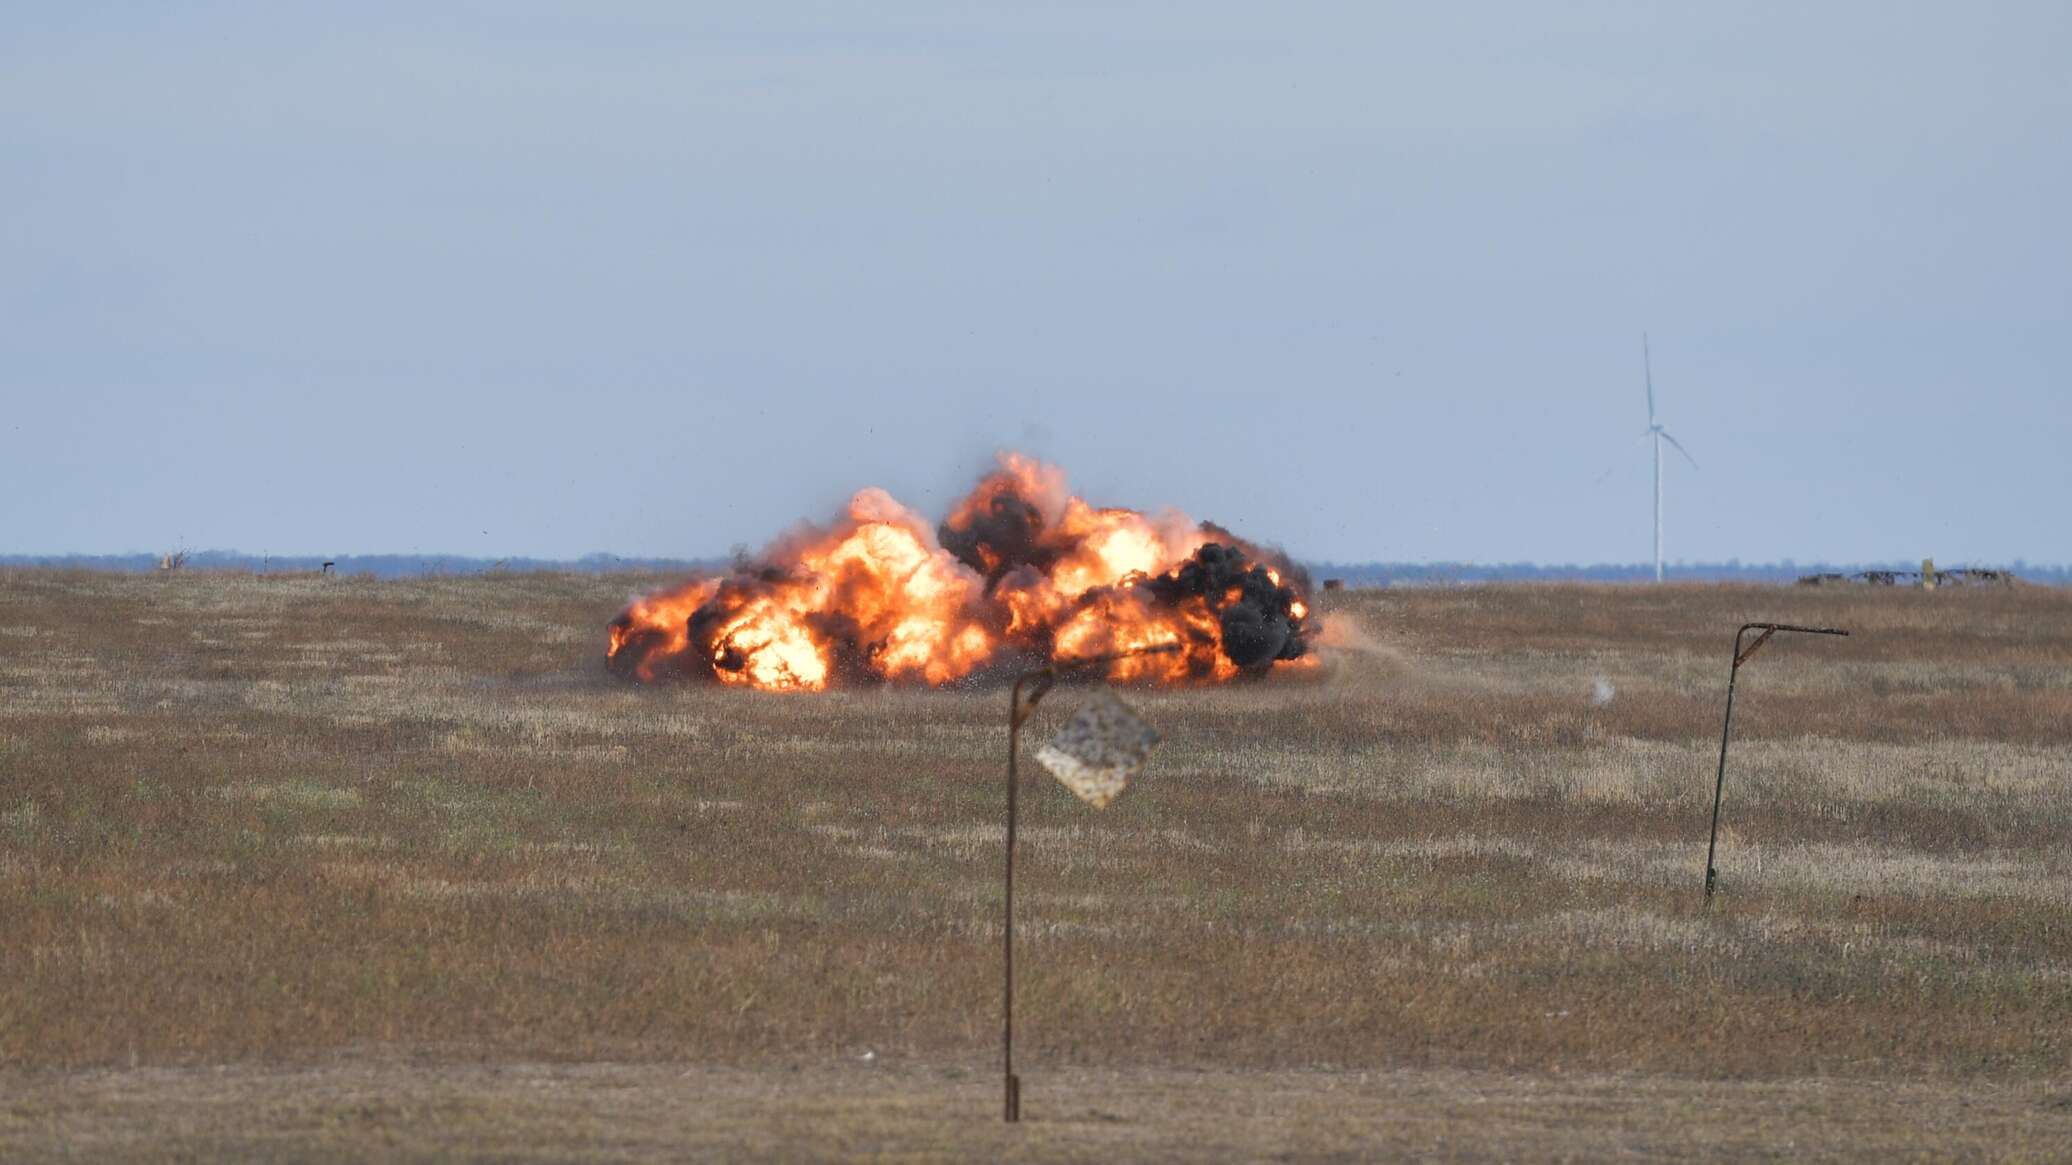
<point x="354" y="1111"/>
<point x="336" y="868"/>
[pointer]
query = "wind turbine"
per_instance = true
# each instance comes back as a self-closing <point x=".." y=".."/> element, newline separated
<point x="1660" y="434"/>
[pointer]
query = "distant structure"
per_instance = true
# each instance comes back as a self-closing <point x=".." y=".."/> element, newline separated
<point x="1927" y="578"/>
<point x="1659" y="435"/>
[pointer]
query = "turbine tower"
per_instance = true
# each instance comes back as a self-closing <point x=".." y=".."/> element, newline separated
<point x="1659" y="435"/>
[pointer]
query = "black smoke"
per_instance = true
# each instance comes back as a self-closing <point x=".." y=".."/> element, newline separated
<point x="1256" y="613"/>
<point x="1000" y="535"/>
<point x="1004" y="533"/>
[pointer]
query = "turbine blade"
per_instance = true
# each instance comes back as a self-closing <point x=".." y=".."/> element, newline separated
<point x="1648" y="368"/>
<point x="1680" y="448"/>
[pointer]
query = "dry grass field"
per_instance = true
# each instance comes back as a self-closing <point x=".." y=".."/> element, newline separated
<point x="337" y="869"/>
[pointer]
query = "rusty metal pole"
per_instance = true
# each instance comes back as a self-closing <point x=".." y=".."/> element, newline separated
<point x="1018" y="713"/>
<point x="1719" y="783"/>
<point x="1012" y="1102"/>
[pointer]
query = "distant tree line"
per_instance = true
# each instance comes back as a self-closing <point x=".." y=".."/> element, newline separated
<point x="1374" y="574"/>
<point x="372" y="565"/>
<point x="1356" y="574"/>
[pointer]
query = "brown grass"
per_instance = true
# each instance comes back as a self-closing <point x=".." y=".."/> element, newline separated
<point x="276" y="823"/>
<point x="357" y="1110"/>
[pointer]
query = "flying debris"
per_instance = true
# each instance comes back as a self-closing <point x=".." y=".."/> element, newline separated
<point x="1099" y="749"/>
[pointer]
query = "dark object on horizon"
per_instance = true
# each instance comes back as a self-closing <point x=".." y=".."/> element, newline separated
<point x="1962" y="576"/>
<point x="1719" y="783"/>
<point x="328" y="564"/>
<point x="1334" y="584"/>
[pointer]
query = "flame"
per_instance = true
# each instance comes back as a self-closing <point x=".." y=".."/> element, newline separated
<point x="1020" y="571"/>
<point x="656" y="629"/>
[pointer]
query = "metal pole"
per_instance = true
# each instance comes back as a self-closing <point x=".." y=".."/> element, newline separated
<point x="1017" y="714"/>
<point x="1719" y="783"/>
<point x="1658" y="507"/>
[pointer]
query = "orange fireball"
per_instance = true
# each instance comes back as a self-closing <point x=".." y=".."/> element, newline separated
<point x="1020" y="571"/>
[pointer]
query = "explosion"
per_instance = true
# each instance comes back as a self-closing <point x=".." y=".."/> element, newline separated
<point x="1020" y="571"/>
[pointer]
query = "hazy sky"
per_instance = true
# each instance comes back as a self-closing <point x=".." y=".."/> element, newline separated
<point x="1366" y="280"/>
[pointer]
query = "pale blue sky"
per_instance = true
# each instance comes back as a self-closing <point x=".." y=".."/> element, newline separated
<point x="1366" y="280"/>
